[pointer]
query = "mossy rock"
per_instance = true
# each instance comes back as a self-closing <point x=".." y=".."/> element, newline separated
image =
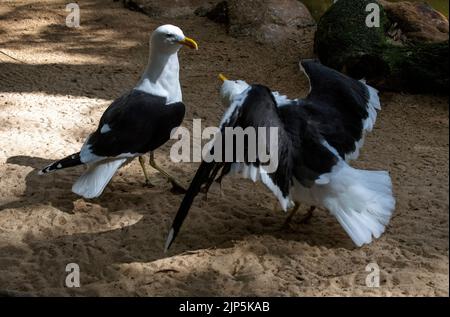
<point x="344" y="42"/>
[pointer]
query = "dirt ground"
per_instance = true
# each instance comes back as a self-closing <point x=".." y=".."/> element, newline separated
<point x="51" y="98"/>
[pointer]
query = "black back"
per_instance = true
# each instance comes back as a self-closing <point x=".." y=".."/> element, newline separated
<point x="139" y="123"/>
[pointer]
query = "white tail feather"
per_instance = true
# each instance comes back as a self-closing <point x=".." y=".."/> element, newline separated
<point x="92" y="183"/>
<point x="361" y="201"/>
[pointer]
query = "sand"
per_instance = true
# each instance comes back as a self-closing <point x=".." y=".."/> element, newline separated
<point x="229" y="246"/>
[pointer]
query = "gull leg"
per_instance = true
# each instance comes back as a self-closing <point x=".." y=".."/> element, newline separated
<point x="222" y="194"/>
<point x="287" y="222"/>
<point x="306" y="218"/>
<point x="219" y="181"/>
<point x="276" y="206"/>
<point x="176" y="186"/>
<point x="144" y="169"/>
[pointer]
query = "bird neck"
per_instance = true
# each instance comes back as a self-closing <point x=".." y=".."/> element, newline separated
<point x="162" y="77"/>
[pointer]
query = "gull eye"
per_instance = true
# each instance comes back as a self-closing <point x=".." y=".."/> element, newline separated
<point x="169" y="35"/>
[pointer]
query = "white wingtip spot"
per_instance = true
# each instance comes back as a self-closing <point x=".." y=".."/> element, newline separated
<point x="105" y="129"/>
<point x="282" y="100"/>
<point x="169" y="240"/>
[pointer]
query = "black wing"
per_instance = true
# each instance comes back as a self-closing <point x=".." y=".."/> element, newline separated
<point x="342" y="107"/>
<point x="135" y="123"/>
<point x="301" y="152"/>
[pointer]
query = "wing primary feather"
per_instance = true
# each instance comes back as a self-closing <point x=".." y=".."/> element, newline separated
<point x="205" y="175"/>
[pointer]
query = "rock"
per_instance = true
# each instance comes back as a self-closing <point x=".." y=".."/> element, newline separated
<point x="417" y="21"/>
<point x="284" y="24"/>
<point x="387" y="58"/>
<point x="218" y="14"/>
<point x="268" y="21"/>
<point x="169" y="9"/>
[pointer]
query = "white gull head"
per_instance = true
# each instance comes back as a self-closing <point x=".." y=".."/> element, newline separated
<point x="169" y="39"/>
<point x="161" y="76"/>
<point x="231" y="89"/>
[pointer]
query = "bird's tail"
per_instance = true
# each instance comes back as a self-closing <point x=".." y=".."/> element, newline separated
<point x="362" y="201"/>
<point x="70" y="161"/>
<point x="92" y="183"/>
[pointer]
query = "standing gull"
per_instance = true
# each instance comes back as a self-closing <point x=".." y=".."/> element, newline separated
<point x="138" y="122"/>
<point x="317" y="136"/>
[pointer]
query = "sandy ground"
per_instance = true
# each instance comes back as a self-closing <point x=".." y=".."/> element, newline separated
<point x="230" y="245"/>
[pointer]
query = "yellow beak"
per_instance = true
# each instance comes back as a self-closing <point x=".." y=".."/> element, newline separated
<point x="189" y="43"/>
<point x="222" y="78"/>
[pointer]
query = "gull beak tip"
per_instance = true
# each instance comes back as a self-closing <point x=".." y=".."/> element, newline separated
<point x="189" y="43"/>
<point x="223" y="78"/>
